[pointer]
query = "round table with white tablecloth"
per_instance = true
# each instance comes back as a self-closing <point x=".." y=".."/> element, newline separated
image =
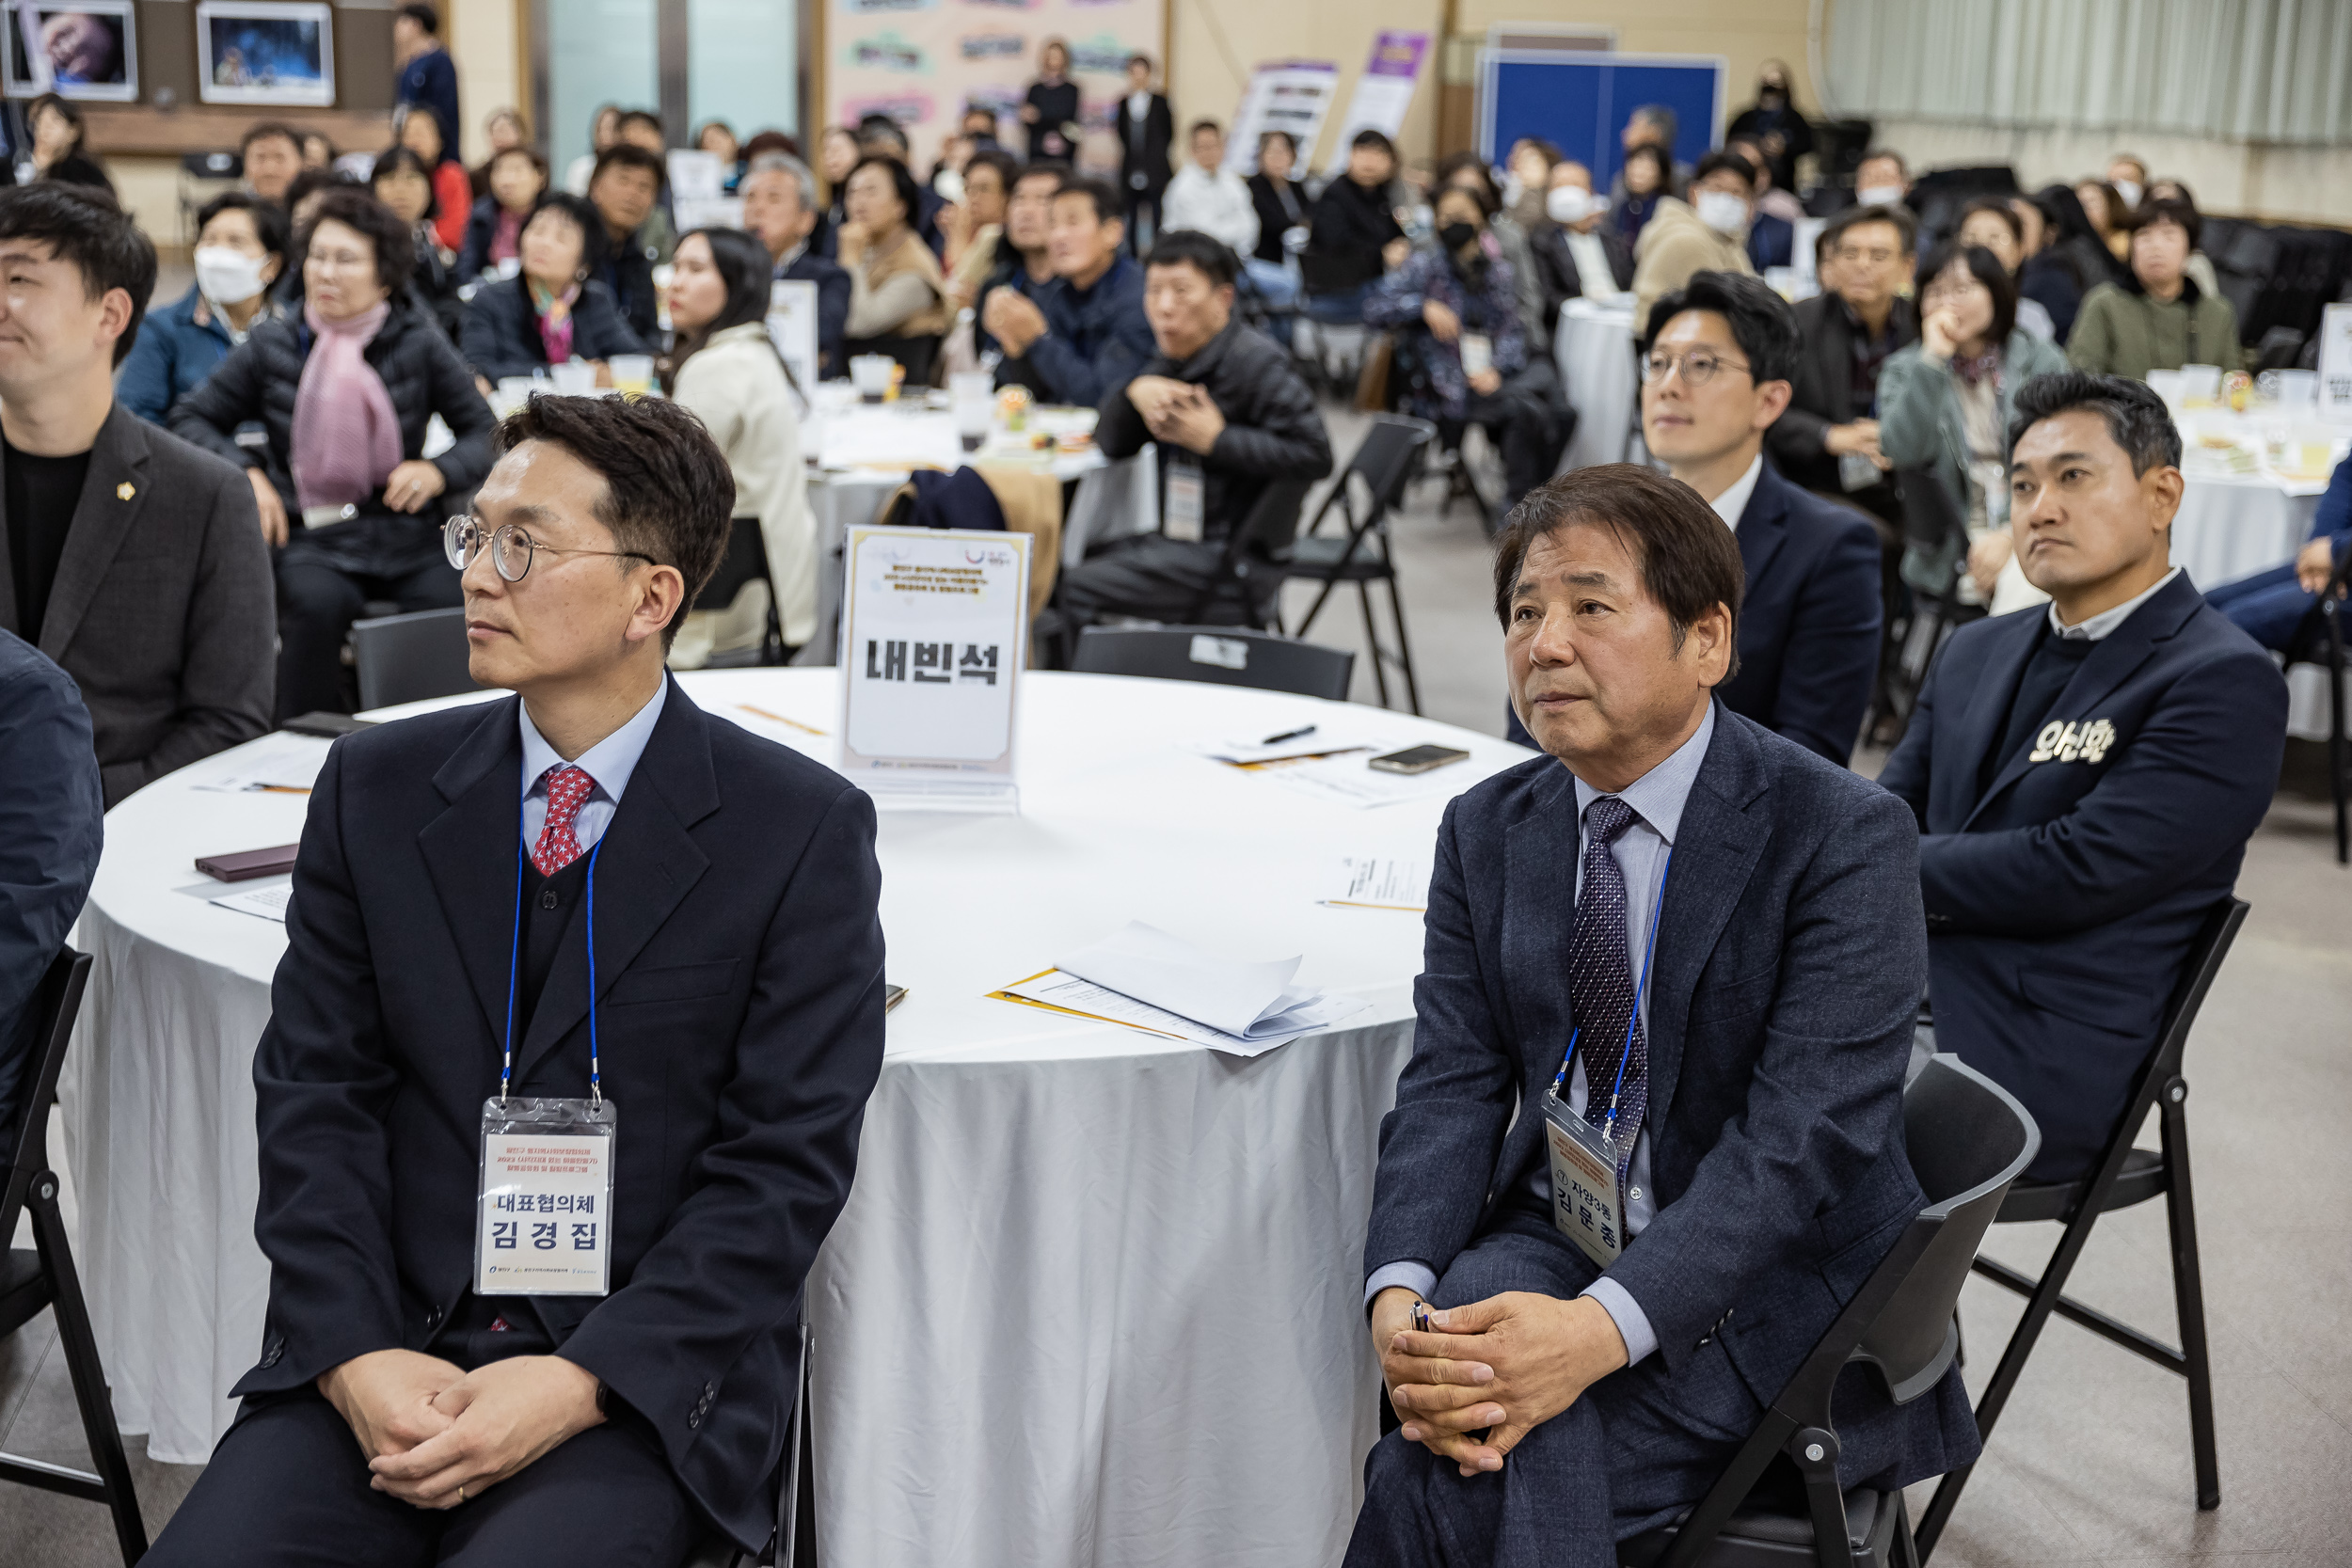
<point x="1064" y="1237"/>
<point x="1595" y="347"/>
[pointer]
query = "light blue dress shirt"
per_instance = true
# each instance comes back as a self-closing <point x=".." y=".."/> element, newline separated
<point x="609" y="763"/>
<point x="1656" y="799"/>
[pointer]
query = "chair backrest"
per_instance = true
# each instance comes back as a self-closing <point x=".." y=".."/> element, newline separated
<point x="55" y="1002"/>
<point x="1384" y="458"/>
<point x="1969" y="1139"/>
<point x="407" y="658"/>
<point x="1222" y="656"/>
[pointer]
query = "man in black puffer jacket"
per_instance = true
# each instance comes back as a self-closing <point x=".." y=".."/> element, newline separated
<point x="383" y="542"/>
<point x="1230" y="416"/>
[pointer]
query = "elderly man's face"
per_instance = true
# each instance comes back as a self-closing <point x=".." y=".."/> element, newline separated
<point x="773" y="210"/>
<point x="1594" y="673"/>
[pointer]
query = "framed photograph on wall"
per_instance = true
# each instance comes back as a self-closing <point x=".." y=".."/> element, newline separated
<point x="89" y="47"/>
<point x="265" y="52"/>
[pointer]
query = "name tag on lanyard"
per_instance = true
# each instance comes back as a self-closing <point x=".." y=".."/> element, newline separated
<point x="1587" y="1198"/>
<point x="543" y="1213"/>
<point x="1183" y="517"/>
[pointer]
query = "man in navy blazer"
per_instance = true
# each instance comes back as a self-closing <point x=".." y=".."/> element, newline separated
<point x="1715" y="378"/>
<point x="718" y="986"/>
<point x="1747" y="1060"/>
<point x="2085" y="775"/>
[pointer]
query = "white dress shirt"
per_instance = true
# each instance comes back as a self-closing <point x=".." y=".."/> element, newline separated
<point x="2097" y="629"/>
<point x="1734" y="501"/>
<point x="609" y="763"/>
<point x="1642" y="852"/>
<point x="1217" y="204"/>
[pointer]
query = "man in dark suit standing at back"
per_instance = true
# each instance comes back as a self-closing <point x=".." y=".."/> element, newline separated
<point x="1691" y="949"/>
<point x="132" y="559"/>
<point x="713" y="999"/>
<point x="2085" y="774"/>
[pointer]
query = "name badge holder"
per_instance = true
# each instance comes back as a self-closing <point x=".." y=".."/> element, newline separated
<point x="1181" y="517"/>
<point x="543" y="1219"/>
<point x="1588" y="1168"/>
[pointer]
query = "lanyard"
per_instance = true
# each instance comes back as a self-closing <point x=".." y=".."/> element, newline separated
<point x="1641" y="988"/>
<point x="513" y="968"/>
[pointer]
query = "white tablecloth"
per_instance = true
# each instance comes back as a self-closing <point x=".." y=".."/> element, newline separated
<point x="1069" y="1245"/>
<point x="1595" y="347"/>
<point x="2227" y="528"/>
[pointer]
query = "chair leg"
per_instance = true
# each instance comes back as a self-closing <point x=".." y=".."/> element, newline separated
<point x="2339" y="762"/>
<point x="1371" y="641"/>
<point x="1403" y="649"/>
<point x="2188" y="1291"/>
<point x="1906" y="1547"/>
<point x="82" y="1364"/>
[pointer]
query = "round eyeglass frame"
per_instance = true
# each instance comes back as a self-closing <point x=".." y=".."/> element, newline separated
<point x="501" y="543"/>
<point x="1654" y="374"/>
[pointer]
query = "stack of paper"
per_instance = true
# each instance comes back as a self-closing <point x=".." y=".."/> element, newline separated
<point x="1147" y="979"/>
<point x="281" y="764"/>
<point x="1380" y="883"/>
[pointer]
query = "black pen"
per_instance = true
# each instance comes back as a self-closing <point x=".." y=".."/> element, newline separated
<point x="1287" y="735"/>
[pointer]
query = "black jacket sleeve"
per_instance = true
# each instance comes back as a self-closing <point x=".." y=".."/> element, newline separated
<point x="493" y="345"/>
<point x="464" y="409"/>
<point x="210" y="412"/>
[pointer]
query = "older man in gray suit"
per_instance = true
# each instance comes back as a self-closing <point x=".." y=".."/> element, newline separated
<point x="132" y="559"/>
<point x="1650" y="1141"/>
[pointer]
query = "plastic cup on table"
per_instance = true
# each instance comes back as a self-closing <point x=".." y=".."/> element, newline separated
<point x="2201" y="385"/>
<point x="972" y="394"/>
<point x="574" y="378"/>
<point x="632" y="372"/>
<point x="871" y="375"/>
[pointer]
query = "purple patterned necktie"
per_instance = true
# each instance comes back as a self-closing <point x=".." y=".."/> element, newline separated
<point x="1602" y="982"/>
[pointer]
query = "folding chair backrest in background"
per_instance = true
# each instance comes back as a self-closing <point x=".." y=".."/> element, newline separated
<point x="407" y="658"/>
<point x="56" y="1002"/>
<point x="1383" y="461"/>
<point x="1221" y="655"/>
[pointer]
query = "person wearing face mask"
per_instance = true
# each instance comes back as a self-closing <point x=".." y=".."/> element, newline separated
<point x="1707" y="233"/>
<point x="240" y="251"/>
<point x="1771" y="234"/>
<point x="2128" y="175"/>
<point x="1578" y="253"/>
<point x="1945" y="405"/>
<point x="1775" y="125"/>
<point x="2157" y="319"/>
<point x="1882" y="179"/>
<point x="1455" y="313"/>
<point x="1510" y="241"/>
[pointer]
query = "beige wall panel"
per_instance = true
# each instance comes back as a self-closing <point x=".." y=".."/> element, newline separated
<point x="486" y="41"/>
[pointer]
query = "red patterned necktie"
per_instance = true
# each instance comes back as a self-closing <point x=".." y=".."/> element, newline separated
<point x="558" y="846"/>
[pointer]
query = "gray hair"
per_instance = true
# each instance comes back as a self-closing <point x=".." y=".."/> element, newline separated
<point x="783" y="162"/>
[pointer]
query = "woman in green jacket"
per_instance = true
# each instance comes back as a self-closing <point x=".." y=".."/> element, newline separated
<point x="1944" y="406"/>
<point x="2157" y="319"/>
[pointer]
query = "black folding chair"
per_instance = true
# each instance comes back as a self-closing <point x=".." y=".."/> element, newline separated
<point x="796" y="1495"/>
<point x="2125" y="1175"/>
<point x="1383" y="462"/>
<point x="45" y="1275"/>
<point x="1968" y="1140"/>
<point x="1265" y="536"/>
<point x="1221" y="655"/>
<point x="745" y="563"/>
<point x="407" y="658"/>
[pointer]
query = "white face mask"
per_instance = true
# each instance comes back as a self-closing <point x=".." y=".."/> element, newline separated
<point x="1723" y="211"/>
<point x="1879" y="196"/>
<point x="2129" y="190"/>
<point x="1570" y="204"/>
<point x="227" y="276"/>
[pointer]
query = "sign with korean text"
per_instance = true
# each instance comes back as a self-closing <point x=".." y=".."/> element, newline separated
<point x="1382" y="94"/>
<point x="2335" y="363"/>
<point x="934" y="631"/>
<point x="1291" y="97"/>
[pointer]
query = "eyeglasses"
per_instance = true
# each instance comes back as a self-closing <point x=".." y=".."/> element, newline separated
<point x="511" y="549"/>
<point x="1698" y="367"/>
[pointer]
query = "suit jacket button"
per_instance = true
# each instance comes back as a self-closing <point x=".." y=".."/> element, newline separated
<point x="432" y="1317"/>
<point x="270" y="1356"/>
<point x="694" y="1418"/>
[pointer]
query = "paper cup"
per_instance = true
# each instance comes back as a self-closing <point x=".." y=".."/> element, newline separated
<point x="575" y="378"/>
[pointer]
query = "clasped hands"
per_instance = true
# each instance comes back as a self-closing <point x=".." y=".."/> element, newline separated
<point x="435" y="1435"/>
<point x="1177" y="412"/>
<point x="1501" y="1367"/>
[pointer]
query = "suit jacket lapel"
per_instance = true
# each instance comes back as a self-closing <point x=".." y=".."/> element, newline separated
<point x="1539" y="922"/>
<point x="1762" y="530"/>
<point x="471" y="852"/>
<point x="646" y="861"/>
<point x="1716" y="849"/>
<point x="103" y="519"/>
<point x="1980" y="723"/>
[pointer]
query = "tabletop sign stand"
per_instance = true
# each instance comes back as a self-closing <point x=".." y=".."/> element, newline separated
<point x="934" y="632"/>
<point x="2335" y="363"/>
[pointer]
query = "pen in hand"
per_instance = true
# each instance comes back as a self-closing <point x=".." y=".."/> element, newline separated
<point x="1288" y="735"/>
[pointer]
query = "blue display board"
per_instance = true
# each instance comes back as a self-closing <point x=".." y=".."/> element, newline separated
<point x="1580" y="102"/>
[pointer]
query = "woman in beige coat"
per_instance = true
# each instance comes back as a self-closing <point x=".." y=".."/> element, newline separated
<point x="728" y="371"/>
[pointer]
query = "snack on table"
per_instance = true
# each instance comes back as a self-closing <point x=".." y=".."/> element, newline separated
<point x="2237" y="390"/>
<point x="1013" y="405"/>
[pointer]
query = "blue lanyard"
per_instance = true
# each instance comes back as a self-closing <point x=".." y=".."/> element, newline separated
<point x="1641" y="990"/>
<point x="513" y="968"/>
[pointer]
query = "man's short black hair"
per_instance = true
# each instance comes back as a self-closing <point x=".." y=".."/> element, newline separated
<point x="311" y="181"/>
<point x="358" y="211"/>
<point x="1177" y="247"/>
<point x="1043" y="169"/>
<point x="627" y="155"/>
<point x="2136" y="416"/>
<point x="637" y="116"/>
<point x="2166" y="209"/>
<point x="1761" y="322"/>
<point x="1890" y="155"/>
<point x="1201" y="125"/>
<point x="1107" y="206"/>
<point x="263" y="130"/>
<point x="424" y="16"/>
<point x="1662" y="117"/>
<point x="269" y="219"/>
<point x="1688" y="561"/>
<point x="1723" y="160"/>
<point x="668" y="491"/>
<point x="1906" y="227"/>
<point x="86" y="225"/>
<point x="1374" y="138"/>
<point x="885" y="127"/>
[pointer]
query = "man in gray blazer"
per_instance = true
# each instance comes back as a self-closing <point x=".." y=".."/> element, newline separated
<point x="1649" y="1142"/>
<point x="131" y="559"/>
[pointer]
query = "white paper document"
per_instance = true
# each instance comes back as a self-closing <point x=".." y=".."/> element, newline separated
<point x="1348" y="779"/>
<point x="282" y="764"/>
<point x="1282" y="744"/>
<point x="1143" y="977"/>
<point x="1379" y="882"/>
<point x="267" y="902"/>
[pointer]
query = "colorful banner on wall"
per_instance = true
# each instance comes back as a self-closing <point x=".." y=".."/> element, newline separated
<point x="922" y="61"/>
<point x="1382" y="94"/>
